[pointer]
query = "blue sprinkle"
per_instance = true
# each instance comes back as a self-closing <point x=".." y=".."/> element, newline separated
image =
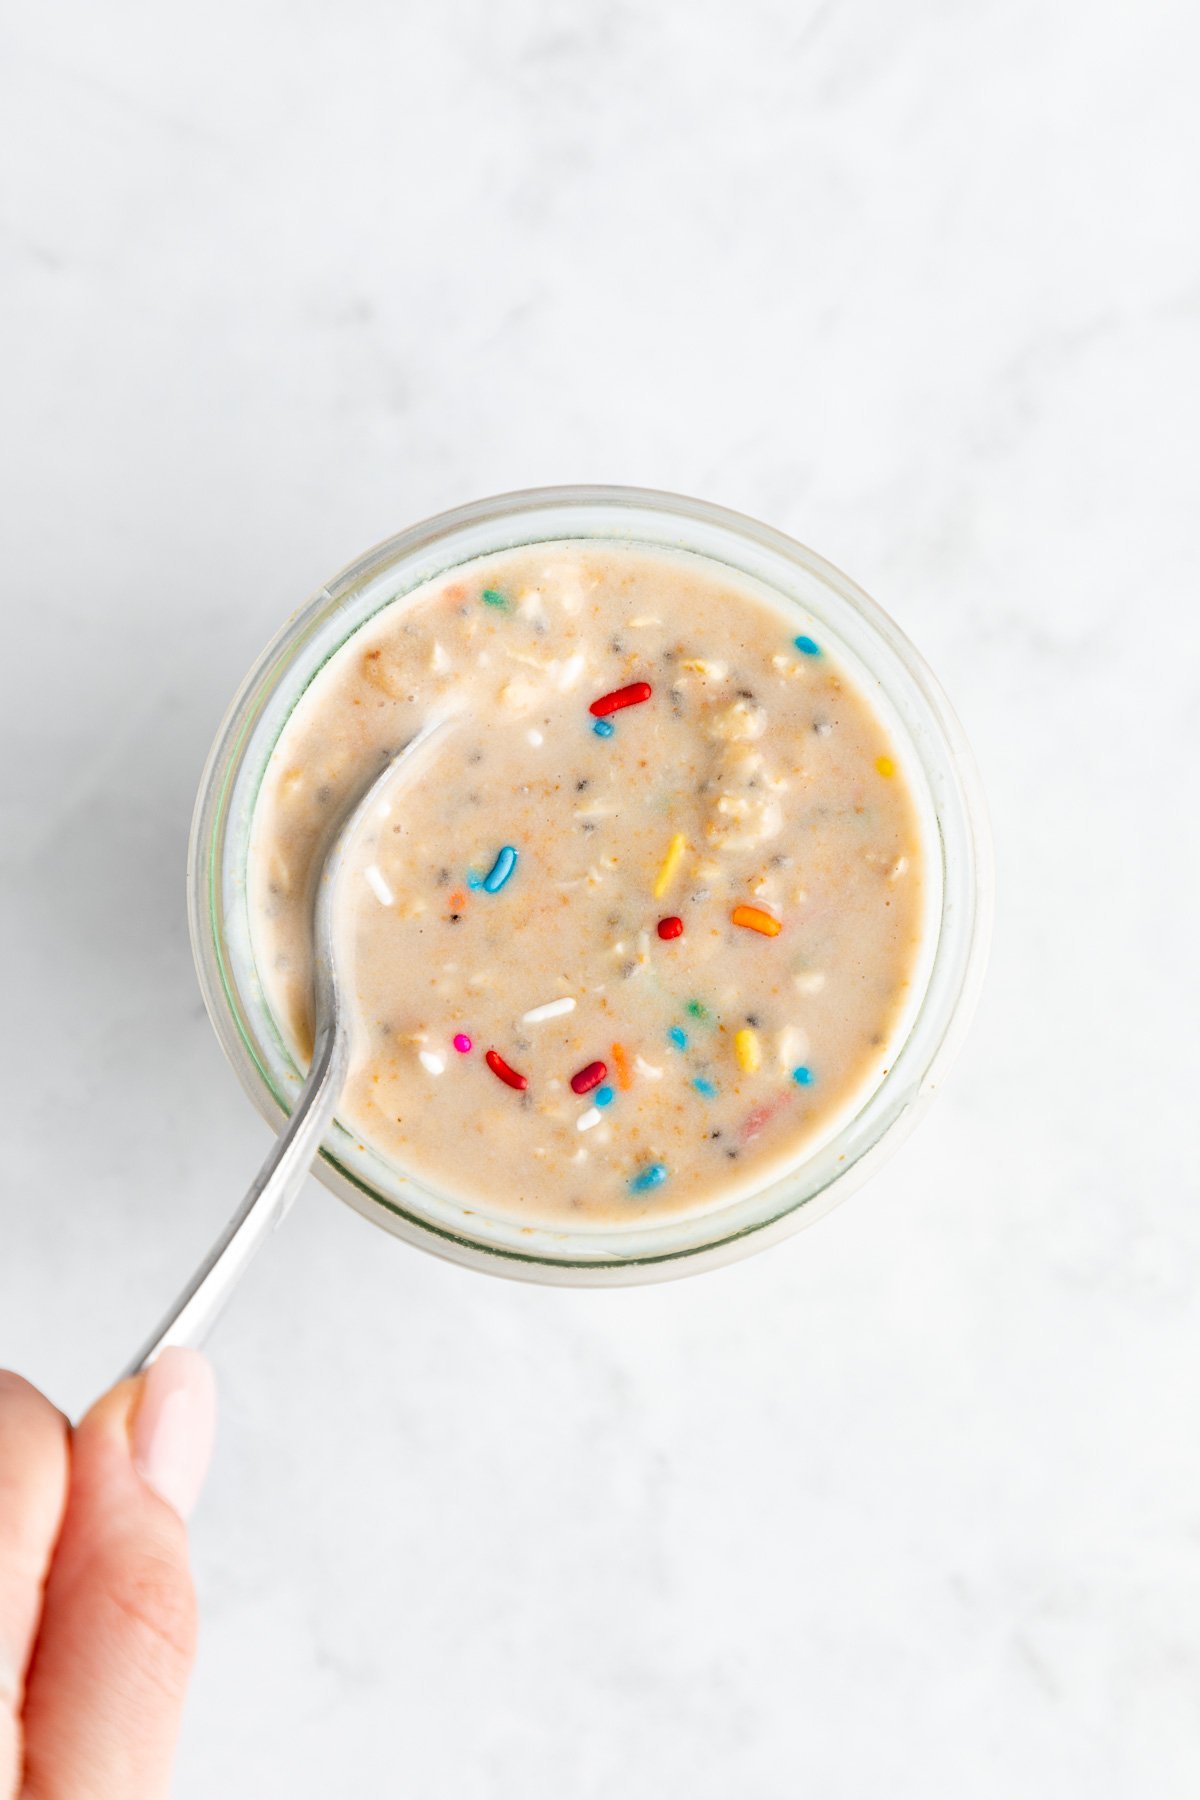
<point x="603" y="1096"/>
<point x="808" y="645"/>
<point x="802" y="1076"/>
<point x="678" y="1037"/>
<point x="650" y="1177"/>
<point x="604" y="728"/>
<point x="474" y="880"/>
<point x="702" y="1086"/>
<point x="501" y="869"/>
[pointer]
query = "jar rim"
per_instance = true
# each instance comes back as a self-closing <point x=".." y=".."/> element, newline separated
<point x="957" y="953"/>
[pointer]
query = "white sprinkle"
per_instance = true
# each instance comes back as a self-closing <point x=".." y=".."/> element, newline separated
<point x="535" y="738"/>
<point x="553" y="1009"/>
<point x="378" y="885"/>
<point x="645" y="619"/>
<point x="586" y="1120"/>
<point x="439" y="661"/>
<point x="570" y="672"/>
<point x="811" y="981"/>
<point x="580" y="1155"/>
<point x="647" y="1069"/>
<point x="429" y="1059"/>
<point x="793" y="1047"/>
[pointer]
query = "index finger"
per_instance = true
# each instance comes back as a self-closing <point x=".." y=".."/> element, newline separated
<point x="34" y="1469"/>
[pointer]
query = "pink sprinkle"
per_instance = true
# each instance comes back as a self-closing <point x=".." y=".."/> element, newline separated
<point x="462" y="1043"/>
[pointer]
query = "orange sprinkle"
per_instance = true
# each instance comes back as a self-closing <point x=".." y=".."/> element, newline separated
<point x="458" y="900"/>
<point x="621" y="1066"/>
<point x="755" y="919"/>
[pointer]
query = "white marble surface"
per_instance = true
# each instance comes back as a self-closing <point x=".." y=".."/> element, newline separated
<point x="910" y="1506"/>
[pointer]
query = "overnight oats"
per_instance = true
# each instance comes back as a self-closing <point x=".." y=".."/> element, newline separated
<point x="639" y="943"/>
<point x="643" y="923"/>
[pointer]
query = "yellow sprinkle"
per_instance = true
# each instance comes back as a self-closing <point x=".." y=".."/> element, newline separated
<point x="670" y="867"/>
<point x="755" y="919"/>
<point x="885" y="765"/>
<point x="746" y="1049"/>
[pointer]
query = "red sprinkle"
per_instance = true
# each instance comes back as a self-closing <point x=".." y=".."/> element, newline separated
<point x="633" y="695"/>
<point x="588" y="1078"/>
<point x="509" y="1077"/>
<point x="669" y="928"/>
<point x="762" y="1115"/>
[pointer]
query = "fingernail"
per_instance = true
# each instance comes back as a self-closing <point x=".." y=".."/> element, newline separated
<point x="174" y="1426"/>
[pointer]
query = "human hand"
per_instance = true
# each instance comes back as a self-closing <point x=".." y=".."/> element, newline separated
<point x="97" y="1610"/>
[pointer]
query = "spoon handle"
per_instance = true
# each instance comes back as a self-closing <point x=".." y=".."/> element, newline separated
<point x="267" y="1201"/>
<point x="279" y="1180"/>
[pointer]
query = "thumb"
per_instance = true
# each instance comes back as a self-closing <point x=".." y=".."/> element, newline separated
<point x="117" y="1640"/>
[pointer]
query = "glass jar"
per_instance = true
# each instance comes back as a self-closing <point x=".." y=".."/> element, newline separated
<point x="857" y="634"/>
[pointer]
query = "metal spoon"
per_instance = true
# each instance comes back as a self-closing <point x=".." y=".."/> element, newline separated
<point x="281" y="1177"/>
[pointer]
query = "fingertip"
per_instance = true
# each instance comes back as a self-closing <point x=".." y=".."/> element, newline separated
<point x="174" y="1425"/>
<point x="119" y="1629"/>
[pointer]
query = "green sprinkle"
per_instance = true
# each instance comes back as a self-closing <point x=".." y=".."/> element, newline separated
<point x="698" y="1010"/>
<point x="491" y="597"/>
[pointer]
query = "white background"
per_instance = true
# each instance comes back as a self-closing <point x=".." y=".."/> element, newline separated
<point x="911" y="1505"/>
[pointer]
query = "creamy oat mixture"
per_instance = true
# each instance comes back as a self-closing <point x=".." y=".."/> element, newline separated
<point x="640" y="924"/>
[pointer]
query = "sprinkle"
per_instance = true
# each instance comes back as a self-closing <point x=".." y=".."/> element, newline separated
<point x="698" y="1010"/>
<point x="585" y="1079"/>
<point x="633" y="695"/>
<point x="670" y="865"/>
<point x="670" y="928"/>
<point x="457" y="900"/>
<point x="570" y="672"/>
<point x="500" y="870"/>
<point x="604" y="1096"/>
<point x="621" y="1065"/>
<point x="678" y="1037"/>
<point x="705" y="1087"/>
<point x="474" y="881"/>
<point x="553" y="1009"/>
<point x="378" y="885"/>
<point x="755" y="919"/>
<point x="535" y="738"/>
<point x="492" y="597"/>
<point x="647" y="1069"/>
<point x="651" y="1177"/>
<point x="802" y="1076"/>
<point x="746" y="1049"/>
<point x="429" y="1059"/>
<point x="501" y="1070"/>
<point x="604" y="728"/>
<point x="587" y="1119"/>
<point x="885" y="765"/>
<point x="762" y="1115"/>
<point x="462" y="1042"/>
<point x="808" y="646"/>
